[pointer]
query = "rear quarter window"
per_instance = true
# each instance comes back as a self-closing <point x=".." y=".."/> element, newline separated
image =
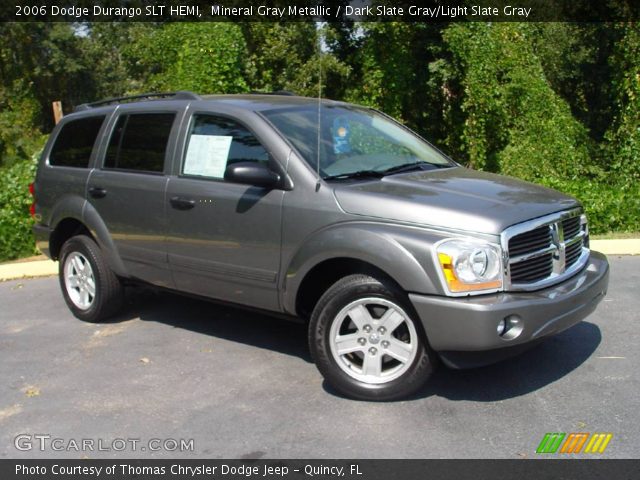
<point x="74" y="143"/>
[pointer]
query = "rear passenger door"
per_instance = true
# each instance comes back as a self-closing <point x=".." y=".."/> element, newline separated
<point x="128" y="189"/>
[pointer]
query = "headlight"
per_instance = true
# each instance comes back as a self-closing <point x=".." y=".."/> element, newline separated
<point x="469" y="266"/>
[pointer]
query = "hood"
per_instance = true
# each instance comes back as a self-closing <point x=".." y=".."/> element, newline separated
<point x="456" y="198"/>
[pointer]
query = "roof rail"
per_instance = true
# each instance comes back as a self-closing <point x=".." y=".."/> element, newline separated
<point x="287" y="93"/>
<point x="181" y="95"/>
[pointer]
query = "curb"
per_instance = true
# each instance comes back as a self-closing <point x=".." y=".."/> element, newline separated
<point x="623" y="246"/>
<point x="38" y="268"/>
<point x="47" y="268"/>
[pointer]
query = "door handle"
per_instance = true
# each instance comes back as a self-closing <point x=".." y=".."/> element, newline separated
<point x="97" y="192"/>
<point x="180" y="203"/>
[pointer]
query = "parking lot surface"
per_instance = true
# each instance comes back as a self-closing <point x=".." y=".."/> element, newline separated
<point x="234" y="384"/>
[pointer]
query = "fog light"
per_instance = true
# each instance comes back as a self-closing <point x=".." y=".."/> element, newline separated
<point x="513" y="326"/>
<point x="502" y="326"/>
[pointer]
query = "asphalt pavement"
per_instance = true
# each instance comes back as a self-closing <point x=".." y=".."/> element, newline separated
<point x="174" y="377"/>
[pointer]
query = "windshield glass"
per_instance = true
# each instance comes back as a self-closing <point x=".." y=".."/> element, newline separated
<point x="352" y="140"/>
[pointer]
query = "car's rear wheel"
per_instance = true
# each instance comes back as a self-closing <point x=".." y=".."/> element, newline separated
<point x="366" y="342"/>
<point x="91" y="290"/>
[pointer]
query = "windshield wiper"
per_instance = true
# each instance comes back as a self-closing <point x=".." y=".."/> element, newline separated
<point x="409" y="167"/>
<point x="358" y="174"/>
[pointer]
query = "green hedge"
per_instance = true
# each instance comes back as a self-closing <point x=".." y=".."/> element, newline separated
<point x="611" y="206"/>
<point x="16" y="239"/>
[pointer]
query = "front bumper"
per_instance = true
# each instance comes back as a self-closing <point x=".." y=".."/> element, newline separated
<point x="463" y="330"/>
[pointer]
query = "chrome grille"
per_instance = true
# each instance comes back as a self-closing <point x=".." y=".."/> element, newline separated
<point x="572" y="254"/>
<point x="571" y="226"/>
<point x="531" y="241"/>
<point x="545" y="251"/>
<point x="532" y="270"/>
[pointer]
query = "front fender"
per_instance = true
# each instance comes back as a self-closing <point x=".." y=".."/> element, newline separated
<point x="402" y="252"/>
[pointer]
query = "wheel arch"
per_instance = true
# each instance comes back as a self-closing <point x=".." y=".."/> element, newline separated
<point x="91" y="224"/>
<point x="65" y="229"/>
<point x="325" y="274"/>
<point x="348" y="249"/>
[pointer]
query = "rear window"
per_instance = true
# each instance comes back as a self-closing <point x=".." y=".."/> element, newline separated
<point x="74" y="143"/>
<point x="139" y="142"/>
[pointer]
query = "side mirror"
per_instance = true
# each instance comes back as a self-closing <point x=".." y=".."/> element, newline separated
<point x="251" y="173"/>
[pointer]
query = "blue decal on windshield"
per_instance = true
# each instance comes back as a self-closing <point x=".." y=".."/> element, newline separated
<point x="341" y="133"/>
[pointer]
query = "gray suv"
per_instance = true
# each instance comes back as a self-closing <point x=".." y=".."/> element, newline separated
<point x="396" y="256"/>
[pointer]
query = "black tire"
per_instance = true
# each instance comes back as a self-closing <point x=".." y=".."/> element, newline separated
<point x="351" y="290"/>
<point x="109" y="291"/>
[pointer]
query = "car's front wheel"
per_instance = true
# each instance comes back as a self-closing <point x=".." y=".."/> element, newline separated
<point x="366" y="342"/>
<point x="90" y="288"/>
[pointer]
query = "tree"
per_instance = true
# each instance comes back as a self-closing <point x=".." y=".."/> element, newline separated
<point x="575" y="61"/>
<point x="108" y="49"/>
<point x="394" y="61"/>
<point x="39" y="63"/>
<point x="204" y="57"/>
<point x="288" y="56"/>
<point x="514" y="121"/>
<point x="624" y="137"/>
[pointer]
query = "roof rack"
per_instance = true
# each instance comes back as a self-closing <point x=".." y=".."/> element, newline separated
<point x="277" y="92"/>
<point x="181" y="95"/>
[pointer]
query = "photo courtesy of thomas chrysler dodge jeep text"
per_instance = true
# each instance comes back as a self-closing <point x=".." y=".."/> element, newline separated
<point x="396" y="256"/>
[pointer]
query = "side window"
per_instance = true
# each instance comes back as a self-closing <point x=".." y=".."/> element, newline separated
<point x="75" y="142"/>
<point x="215" y="142"/>
<point x="139" y="142"/>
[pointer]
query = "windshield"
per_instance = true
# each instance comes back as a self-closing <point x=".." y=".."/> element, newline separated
<point x="353" y="140"/>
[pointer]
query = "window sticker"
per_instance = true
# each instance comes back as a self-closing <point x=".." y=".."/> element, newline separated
<point x="207" y="155"/>
<point x="341" y="136"/>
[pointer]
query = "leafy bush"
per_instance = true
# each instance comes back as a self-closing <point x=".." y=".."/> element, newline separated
<point x="557" y="104"/>
<point x="16" y="239"/>
<point x="18" y="135"/>
<point x="611" y="205"/>
<point x="204" y="57"/>
<point x="623" y="152"/>
<point x="515" y="123"/>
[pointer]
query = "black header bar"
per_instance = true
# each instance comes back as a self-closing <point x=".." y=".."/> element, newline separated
<point x="437" y="11"/>
<point x="115" y="469"/>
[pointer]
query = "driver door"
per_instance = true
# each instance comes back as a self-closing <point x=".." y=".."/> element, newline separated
<point x="223" y="238"/>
